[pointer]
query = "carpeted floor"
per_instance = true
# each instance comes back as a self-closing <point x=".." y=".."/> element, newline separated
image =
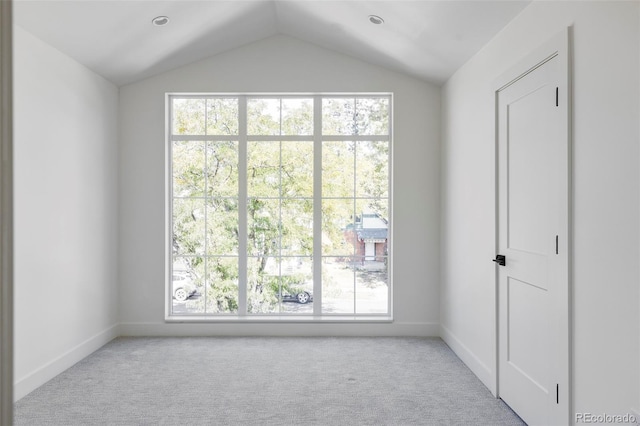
<point x="266" y="381"/>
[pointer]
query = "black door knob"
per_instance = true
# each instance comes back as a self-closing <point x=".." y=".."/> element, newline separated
<point x="500" y="260"/>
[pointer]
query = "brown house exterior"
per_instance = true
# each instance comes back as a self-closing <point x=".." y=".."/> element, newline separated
<point x="369" y="236"/>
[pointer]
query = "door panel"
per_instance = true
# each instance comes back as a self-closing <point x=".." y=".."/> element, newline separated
<point x="528" y="325"/>
<point x="528" y="153"/>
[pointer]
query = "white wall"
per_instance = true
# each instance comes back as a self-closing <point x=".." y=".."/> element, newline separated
<point x="65" y="211"/>
<point x="280" y="64"/>
<point x="605" y="196"/>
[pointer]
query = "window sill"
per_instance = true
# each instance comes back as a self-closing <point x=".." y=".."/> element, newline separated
<point x="280" y="319"/>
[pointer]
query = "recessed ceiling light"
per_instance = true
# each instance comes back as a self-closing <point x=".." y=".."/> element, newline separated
<point x="159" y="21"/>
<point x="375" y="19"/>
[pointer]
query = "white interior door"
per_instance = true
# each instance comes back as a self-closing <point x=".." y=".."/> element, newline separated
<point x="533" y="335"/>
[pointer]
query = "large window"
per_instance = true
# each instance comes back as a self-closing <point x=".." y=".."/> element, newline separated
<point x="279" y="206"/>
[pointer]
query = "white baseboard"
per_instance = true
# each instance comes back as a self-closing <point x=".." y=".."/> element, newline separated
<point x="480" y="369"/>
<point x="37" y="378"/>
<point x="288" y="329"/>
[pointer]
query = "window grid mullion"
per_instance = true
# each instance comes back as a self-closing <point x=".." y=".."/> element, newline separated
<point x="197" y="138"/>
<point x="317" y="206"/>
<point x="355" y="215"/>
<point x="169" y="208"/>
<point x="389" y="209"/>
<point x="243" y="280"/>
<point x="279" y="257"/>
<point x="280" y="211"/>
<point x="279" y="260"/>
<point x="206" y="211"/>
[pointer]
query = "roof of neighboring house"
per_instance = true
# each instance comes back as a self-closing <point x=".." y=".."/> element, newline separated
<point x="372" y="234"/>
<point x="373" y="220"/>
<point x="370" y="226"/>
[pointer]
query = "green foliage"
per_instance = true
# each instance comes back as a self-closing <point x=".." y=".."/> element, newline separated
<point x="193" y="116"/>
<point x="359" y="116"/>
<point x="222" y="116"/>
<point x="189" y="116"/>
<point x="222" y="289"/>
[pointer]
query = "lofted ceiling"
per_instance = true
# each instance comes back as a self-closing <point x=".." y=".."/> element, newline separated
<point x="427" y="39"/>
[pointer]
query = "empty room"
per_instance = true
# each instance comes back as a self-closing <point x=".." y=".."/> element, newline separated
<point x="313" y="212"/>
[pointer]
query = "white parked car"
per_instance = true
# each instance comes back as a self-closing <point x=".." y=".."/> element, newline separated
<point x="183" y="286"/>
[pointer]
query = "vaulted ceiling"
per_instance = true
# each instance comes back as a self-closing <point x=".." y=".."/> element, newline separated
<point x="428" y="39"/>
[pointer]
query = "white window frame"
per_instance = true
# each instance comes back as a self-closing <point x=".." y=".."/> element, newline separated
<point x="243" y="138"/>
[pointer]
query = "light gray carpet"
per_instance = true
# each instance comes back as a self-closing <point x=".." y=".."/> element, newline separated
<point x="266" y="381"/>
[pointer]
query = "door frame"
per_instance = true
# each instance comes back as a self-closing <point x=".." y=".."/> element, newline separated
<point x="6" y="214"/>
<point x="558" y="46"/>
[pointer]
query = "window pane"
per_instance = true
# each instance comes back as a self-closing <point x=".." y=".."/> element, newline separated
<point x="188" y="116"/>
<point x="373" y="207"/>
<point x="188" y="169"/>
<point x="187" y="285"/>
<point x="297" y="116"/>
<point x="222" y="285"/>
<point x="371" y="226"/>
<point x="188" y="226"/>
<point x="338" y="278"/>
<point x="263" y="169"/>
<point x="297" y="169"/>
<point x="263" y="117"/>
<point x="297" y="227"/>
<point x="338" y="235"/>
<point x="263" y="284"/>
<point x="296" y="285"/>
<point x="222" y="116"/>
<point x="372" y="116"/>
<point x="372" y="169"/>
<point x="222" y="169"/>
<point x="338" y="162"/>
<point x="372" y="290"/>
<point x="338" y="116"/>
<point x="222" y="226"/>
<point x="263" y="227"/>
<point x="280" y="285"/>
